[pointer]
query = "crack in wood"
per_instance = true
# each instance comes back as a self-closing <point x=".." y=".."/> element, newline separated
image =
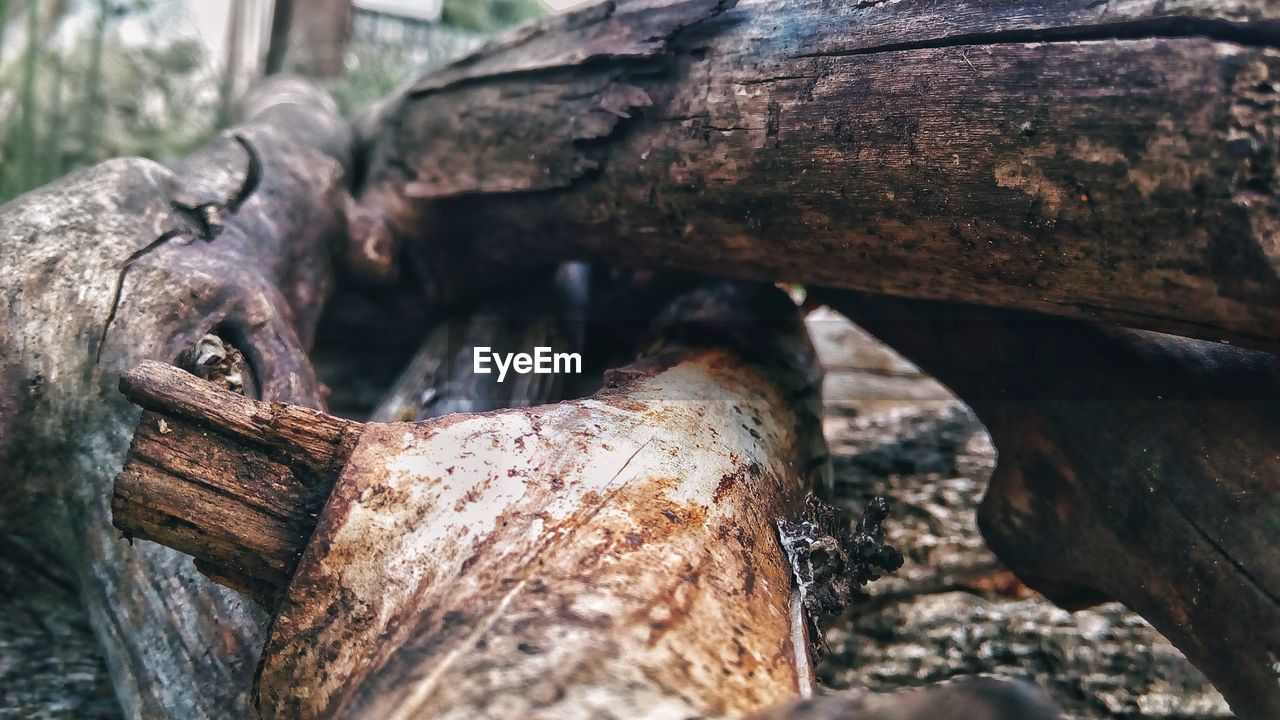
<point x="203" y="222"/>
<point x="1248" y="576"/>
<point x="1256" y="34"/>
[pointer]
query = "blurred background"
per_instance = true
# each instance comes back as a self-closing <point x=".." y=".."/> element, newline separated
<point x="85" y="80"/>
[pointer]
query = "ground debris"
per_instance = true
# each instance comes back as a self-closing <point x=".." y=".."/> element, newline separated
<point x="217" y="361"/>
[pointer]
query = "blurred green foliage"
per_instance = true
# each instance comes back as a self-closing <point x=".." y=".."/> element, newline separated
<point x="491" y="15"/>
<point x="72" y="94"/>
<point x="85" y="80"/>
<point x="375" y="70"/>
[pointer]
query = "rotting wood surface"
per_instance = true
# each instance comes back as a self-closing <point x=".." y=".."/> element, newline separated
<point x="1112" y="161"/>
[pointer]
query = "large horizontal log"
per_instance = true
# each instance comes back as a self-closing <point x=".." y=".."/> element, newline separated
<point x="130" y="260"/>
<point x="1111" y="161"/>
<point x="1133" y="466"/>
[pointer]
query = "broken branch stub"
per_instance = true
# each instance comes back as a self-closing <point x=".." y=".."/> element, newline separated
<point x="234" y="482"/>
<point x="614" y="556"/>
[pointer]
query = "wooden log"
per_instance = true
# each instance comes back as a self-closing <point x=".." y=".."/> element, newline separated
<point x="1109" y="161"/>
<point x="130" y="260"/>
<point x="1132" y="466"/>
<point x="615" y="556"/>
<point x="954" y="610"/>
<point x="256" y="506"/>
<point x="311" y="40"/>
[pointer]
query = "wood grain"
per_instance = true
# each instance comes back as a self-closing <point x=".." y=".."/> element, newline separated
<point x="234" y="482"/>
<point x="1110" y="161"/>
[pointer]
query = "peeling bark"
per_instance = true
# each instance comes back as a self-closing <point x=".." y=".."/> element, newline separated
<point x="1111" y="161"/>
<point x="72" y="255"/>
<point x="1133" y="466"/>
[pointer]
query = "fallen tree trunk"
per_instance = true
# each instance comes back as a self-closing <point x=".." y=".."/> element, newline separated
<point x="1096" y="160"/>
<point x="615" y="556"/>
<point x="1132" y="466"/>
<point x="129" y="260"/>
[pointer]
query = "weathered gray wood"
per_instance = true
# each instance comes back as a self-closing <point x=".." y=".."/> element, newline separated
<point x="50" y="662"/>
<point x="1112" y="161"/>
<point x="72" y="318"/>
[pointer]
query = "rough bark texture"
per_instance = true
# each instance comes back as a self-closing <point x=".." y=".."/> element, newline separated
<point x="249" y="225"/>
<point x="1133" y="466"/>
<point x="246" y="497"/>
<point x="609" y="557"/>
<point x="1112" y="161"/>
